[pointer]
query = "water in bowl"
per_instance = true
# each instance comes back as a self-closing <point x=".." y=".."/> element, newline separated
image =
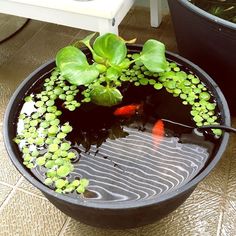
<point x="122" y="155"/>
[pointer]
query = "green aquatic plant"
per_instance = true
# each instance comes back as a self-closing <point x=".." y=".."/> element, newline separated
<point x="79" y="78"/>
<point x="109" y="53"/>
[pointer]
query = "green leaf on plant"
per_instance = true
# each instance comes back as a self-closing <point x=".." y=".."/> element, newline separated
<point x="73" y="65"/>
<point x="70" y="54"/>
<point x="153" y="56"/>
<point x="112" y="73"/>
<point x="86" y="42"/>
<point x="110" y="47"/>
<point x="105" y="96"/>
<point x="87" y="39"/>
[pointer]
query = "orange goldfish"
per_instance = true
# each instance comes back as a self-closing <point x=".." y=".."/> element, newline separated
<point x="128" y="110"/>
<point x="158" y="132"/>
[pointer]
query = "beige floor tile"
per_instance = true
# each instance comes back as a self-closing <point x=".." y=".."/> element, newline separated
<point x="26" y="215"/>
<point x="4" y="191"/>
<point x="231" y="190"/>
<point x="27" y="186"/>
<point x="199" y="215"/>
<point x="8" y="172"/>
<point x="13" y="44"/>
<point x="138" y="26"/>
<point x="217" y="180"/>
<point x="229" y="220"/>
<point x="74" y="228"/>
<point x="10" y="25"/>
<point x="60" y="29"/>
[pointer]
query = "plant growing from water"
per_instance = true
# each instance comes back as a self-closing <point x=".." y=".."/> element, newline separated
<point x="79" y="79"/>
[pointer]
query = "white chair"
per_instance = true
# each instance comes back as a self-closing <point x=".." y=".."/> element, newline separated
<point x="96" y="15"/>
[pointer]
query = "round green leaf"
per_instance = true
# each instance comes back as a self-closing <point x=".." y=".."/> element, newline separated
<point x="153" y="56"/>
<point x="105" y="96"/>
<point x="111" y="47"/>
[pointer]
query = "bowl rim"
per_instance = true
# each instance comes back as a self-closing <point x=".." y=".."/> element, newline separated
<point x="116" y="205"/>
<point x="215" y="19"/>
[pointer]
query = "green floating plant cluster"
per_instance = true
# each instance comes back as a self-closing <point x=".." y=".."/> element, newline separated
<point x="41" y="130"/>
<point x="186" y="86"/>
<point x="78" y="79"/>
<point x="103" y="77"/>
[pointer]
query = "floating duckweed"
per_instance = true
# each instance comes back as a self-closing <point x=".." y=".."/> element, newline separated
<point x="84" y="182"/>
<point x="75" y="183"/>
<point x="51" y="173"/>
<point x="58" y="190"/>
<point x="28" y="99"/>
<point x="61" y="135"/>
<point x="58" y="91"/>
<point x="41" y="110"/>
<point x="55" y="122"/>
<point x="62" y="96"/>
<point x="211" y="106"/>
<point x="217" y="132"/>
<point x="27" y="157"/>
<point x="48" y="181"/>
<point x="197" y="118"/>
<point x="64" y="170"/>
<point x="183" y="96"/>
<point x="69" y="98"/>
<point x="60" y="183"/>
<point x="49" y="164"/>
<point x="171" y="85"/>
<point x="195" y="80"/>
<point x="40" y="161"/>
<point x="30" y="165"/>
<point x="187" y="83"/>
<point x="204" y="96"/>
<point x="71" y="107"/>
<point x="50" y="103"/>
<point x="34" y="123"/>
<point x="53" y="147"/>
<point x="176" y="69"/>
<point x="39" y="103"/>
<point x="53" y="129"/>
<point x="143" y="81"/>
<point x="50" y="116"/>
<point x="158" y="86"/>
<point x="39" y="141"/>
<point x="59" y="161"/>
<point x="80" y="189"/>
<point x="65" y="146"/>
<point x="52" y="109"/>
<point x="71" y="155"/>
<point x="58" y="113"/>
<point x="44" y="124"/>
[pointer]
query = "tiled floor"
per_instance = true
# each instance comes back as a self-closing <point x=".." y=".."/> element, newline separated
<point x="24" y="211"/>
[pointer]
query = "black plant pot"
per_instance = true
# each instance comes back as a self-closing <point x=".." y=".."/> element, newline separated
<point x="208" y="41"/>
<point x="113" y="215"/>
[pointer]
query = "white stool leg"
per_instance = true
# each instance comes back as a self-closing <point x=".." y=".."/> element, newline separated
<point x="107" y="26"/>
<point x="155" y="12"/>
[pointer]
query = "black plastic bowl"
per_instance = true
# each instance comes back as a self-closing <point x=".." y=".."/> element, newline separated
<point x="113" y="215"/>
<point x="208" y="41"/>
